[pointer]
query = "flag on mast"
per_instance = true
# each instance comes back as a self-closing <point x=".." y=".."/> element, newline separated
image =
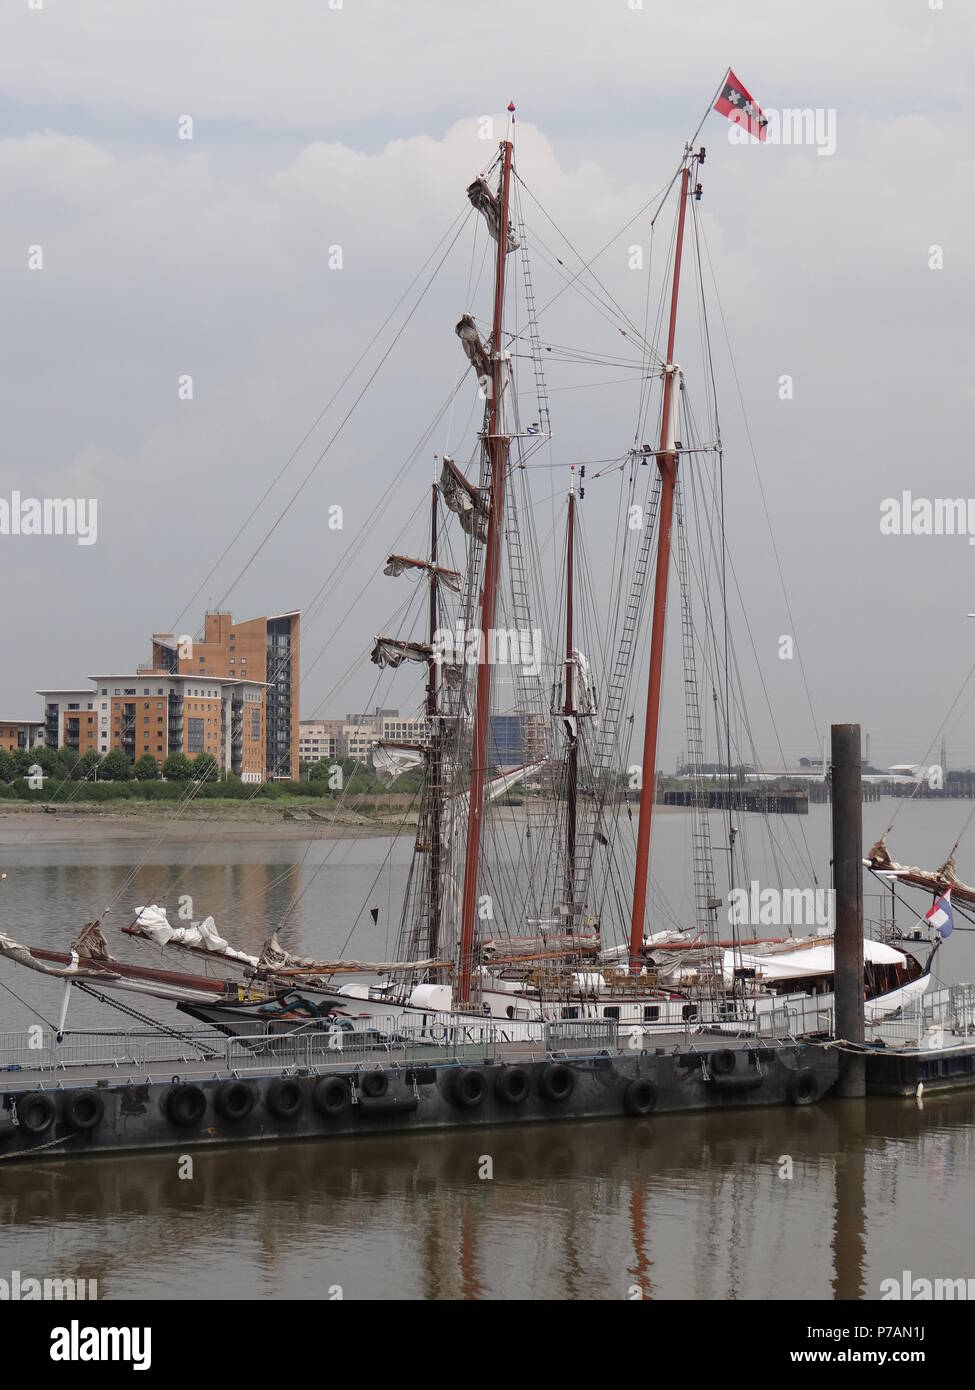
<point x="737" y="103"/>
<point x="940" y="918"/>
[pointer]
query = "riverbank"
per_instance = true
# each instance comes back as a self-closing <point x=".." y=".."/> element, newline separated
<point x="226" y="820"/>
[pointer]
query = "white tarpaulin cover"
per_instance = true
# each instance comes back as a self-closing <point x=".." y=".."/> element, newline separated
<point x="812" y="960"/>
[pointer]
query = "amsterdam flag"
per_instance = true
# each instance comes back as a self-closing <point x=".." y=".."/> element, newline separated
<point x="740" y="106"/>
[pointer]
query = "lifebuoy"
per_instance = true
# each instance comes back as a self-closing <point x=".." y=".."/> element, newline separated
<point x="285" y="1098"/>
<point x="803" y="1087"/>
<point x="468" y="1088"/>
<point x="374" y="1083"/>
<point x="83" y="1111"/>
<point x="722" y="1063"/>
<point x="332" y="1096"/>
<point x="557" y="1082"/>
<point x="35" y="1113"/>
<point x="639" y="1097"/>
<point x="512" y="1085"/>
<point x="185" y="1105"/>
<point x="234" y="1101"/>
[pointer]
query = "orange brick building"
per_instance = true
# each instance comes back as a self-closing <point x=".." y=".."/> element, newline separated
<point x="263" y="650"/>
<point x="157" y="713"/>
<point x="21" y="733"/>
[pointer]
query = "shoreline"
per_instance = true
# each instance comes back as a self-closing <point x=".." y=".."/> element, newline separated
<point x="88" y="821"/>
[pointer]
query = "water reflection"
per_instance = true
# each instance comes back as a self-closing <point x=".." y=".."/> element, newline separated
<point x="672" y="1207"/>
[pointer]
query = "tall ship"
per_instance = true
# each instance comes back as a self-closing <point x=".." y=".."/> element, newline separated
<point x="529" y="895"/>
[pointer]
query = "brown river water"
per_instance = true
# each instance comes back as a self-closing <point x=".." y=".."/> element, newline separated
<point x="817" y="1203"/>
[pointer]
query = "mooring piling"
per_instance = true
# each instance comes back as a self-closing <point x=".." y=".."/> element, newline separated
<point x="848" y="886"/>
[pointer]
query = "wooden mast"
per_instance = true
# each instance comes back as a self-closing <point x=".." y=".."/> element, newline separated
<point x="571" y="723"/>
<point x="667" y="464"/>
<point x="434" y="768"/>
<point x="497" y="444"/>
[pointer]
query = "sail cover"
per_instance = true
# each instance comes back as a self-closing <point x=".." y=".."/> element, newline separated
<point x="389" y="651"/>
<point x="488" y="206"/>
<point x="464" y="499"/>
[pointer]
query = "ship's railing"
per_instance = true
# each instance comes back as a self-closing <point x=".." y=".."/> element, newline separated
<point x="932" y="1019"/>
<point x="380" y="1042"/>
<point x="38" y="1049"/>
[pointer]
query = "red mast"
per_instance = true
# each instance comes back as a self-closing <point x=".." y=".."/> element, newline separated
<point x="667" y="463"/>
<point x="569" y="710"/>
<point x="497" y="444"/>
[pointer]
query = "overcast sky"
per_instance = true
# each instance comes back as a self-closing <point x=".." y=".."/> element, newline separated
<point x="359" y="126"/>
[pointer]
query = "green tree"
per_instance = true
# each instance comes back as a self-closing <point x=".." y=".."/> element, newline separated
<point x="84" y="768"/>
<point x="47" y="759"/>
<point x="206" y="768"/>
<point x="23" y="760"/>
<point x="8" y="766"/>
<point x="115" y="767"/>
<point x="146" y="768"/>
<point x="177" y="768"/>
<point x="67" y="757"/>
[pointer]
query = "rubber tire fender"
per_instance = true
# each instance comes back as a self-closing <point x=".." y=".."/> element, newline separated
<point x="374" y="1084"/>
<point x="83" y="1111"/>
<point x="639" y="1097"/>
<point x="722" y="1063"/>
<point x="235" y="1101"/>
<point x="803" y="1087"/>
<point x="185" y="1105"/>
<point x="468" y="1088"/>
<point x="332" y="1096"/>
<point x="36" y="1113"/>
<point x="557" y="1082"/>
<point x="512" y="1086"/>
<point x="285" y="1098"/>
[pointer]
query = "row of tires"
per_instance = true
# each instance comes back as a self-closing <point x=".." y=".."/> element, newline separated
<point x="802" y="1087"/>
<point x="286" y="1097"/>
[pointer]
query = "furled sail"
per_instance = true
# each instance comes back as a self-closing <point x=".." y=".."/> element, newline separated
<point x="397" y="564"/>
<point x="464" y="499"/>
<point x="488" y="206"/>
<point x="470" y="341"/>
<point x="935" y="881"/>
<point x="389" y="651"/>
<point x="585" y="692"/>
<point x="391" y="760"/>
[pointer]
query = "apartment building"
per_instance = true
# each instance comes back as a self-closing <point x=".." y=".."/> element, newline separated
<point x="157" y="713"/>
<point x="21" y="733"/>
<point x="320" y="738"/>
<point x="264" y="651"/>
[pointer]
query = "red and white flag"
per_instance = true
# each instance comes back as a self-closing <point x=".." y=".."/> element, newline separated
<point x="738" y="104"/>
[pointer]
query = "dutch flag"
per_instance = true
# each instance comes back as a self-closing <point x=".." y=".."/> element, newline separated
<point x="939" y="918"/>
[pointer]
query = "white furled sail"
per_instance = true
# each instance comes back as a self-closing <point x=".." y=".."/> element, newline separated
<point x="391" y="760"/>
<point x="488" y="206"/>
<point x="390" y="651"/>
<point x="464" y="500"/>
<point x="398" y="564"/>
<point x="470" y="341"/>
